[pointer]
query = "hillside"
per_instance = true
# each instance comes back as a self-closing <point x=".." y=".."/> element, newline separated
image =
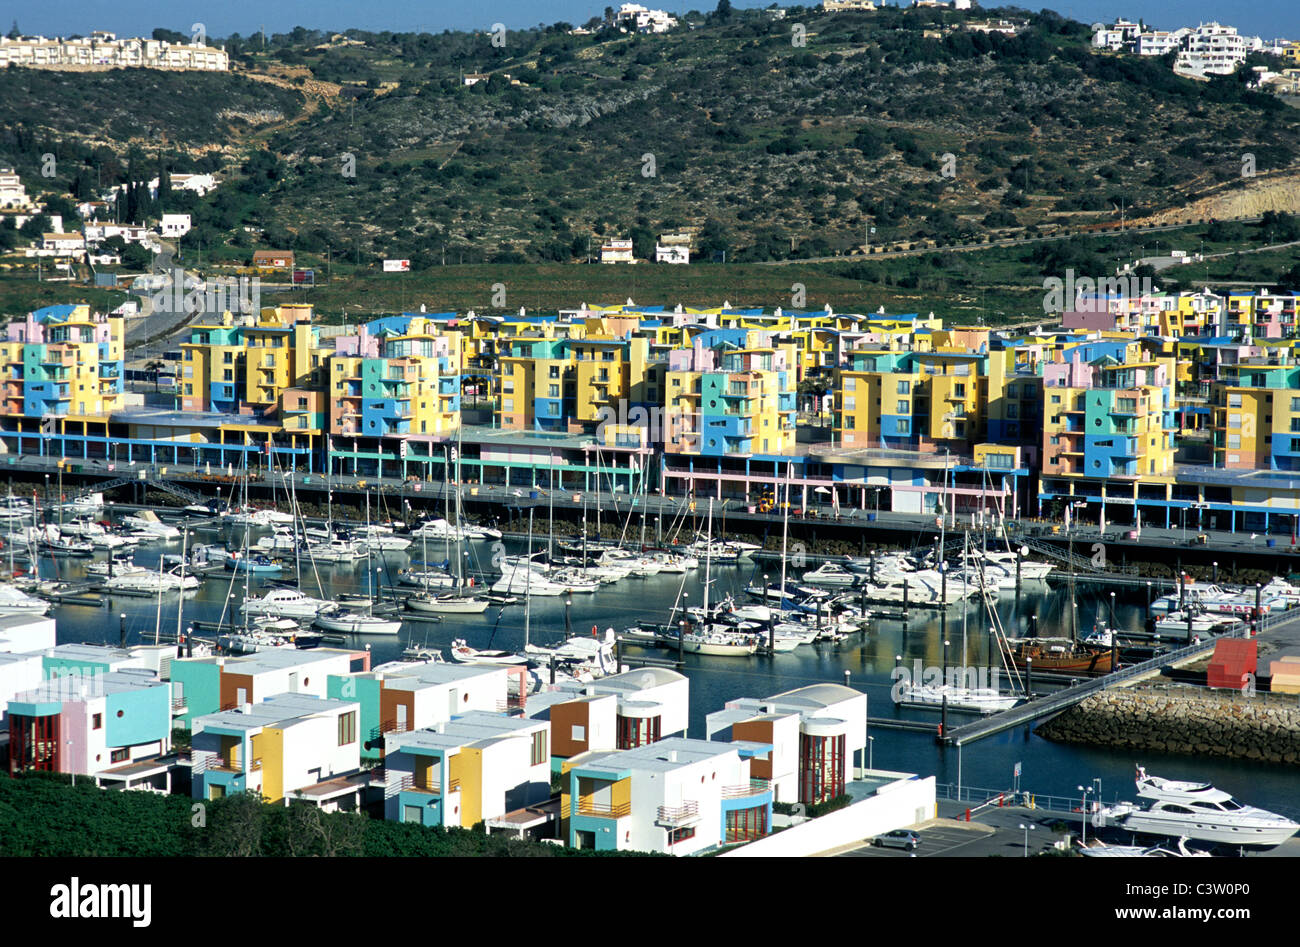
<point x="768" y="149"/>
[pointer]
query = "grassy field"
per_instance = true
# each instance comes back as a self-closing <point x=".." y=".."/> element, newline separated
<point x="999" y="285"/>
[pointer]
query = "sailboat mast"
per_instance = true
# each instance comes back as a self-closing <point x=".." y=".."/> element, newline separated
<point x="708" y="558"/>
<point x="528" y="582"/>
<point x="180" y="602"/>
<point x="785" y="534"/>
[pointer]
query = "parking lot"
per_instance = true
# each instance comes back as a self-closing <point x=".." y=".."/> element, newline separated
<point x="948" y="838"/>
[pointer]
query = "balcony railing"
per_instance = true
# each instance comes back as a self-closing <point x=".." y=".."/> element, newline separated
<point x="607" y="810"/>
<point x="674" y="816"/>
<point x="755" y="787"/>
<point x="406" y="783"/>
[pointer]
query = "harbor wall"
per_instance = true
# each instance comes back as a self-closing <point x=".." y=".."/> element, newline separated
<point x="893" y="806"/>
<point x="1190" y="720"/>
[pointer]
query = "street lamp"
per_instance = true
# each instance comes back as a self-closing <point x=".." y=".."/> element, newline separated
<point x="1085" y="791"/>
<point x="1027" y="829"/>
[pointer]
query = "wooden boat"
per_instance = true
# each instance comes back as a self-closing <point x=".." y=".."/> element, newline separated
<point x="1059" y="654"/>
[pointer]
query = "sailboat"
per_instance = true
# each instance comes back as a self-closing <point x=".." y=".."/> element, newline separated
<point x="707" y="640"/>
<point x="451" y="603"/>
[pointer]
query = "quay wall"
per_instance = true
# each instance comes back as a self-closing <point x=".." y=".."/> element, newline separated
<point x="1190" y="720"/>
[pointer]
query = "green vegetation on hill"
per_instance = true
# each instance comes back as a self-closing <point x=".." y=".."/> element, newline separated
<point x="42" y="814"/>
<point x="770" y="149"/>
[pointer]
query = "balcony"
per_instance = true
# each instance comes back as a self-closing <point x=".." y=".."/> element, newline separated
<point x="407" y="784"/>
<point x="672" y="817"/>
<point x="755" y="787"/>
<point x="604" y="809"/>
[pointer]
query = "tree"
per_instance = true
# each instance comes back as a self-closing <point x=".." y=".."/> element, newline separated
<point x="155" y="367"/>
<point x="723" y="12"/>
<point x="13" y="31"/>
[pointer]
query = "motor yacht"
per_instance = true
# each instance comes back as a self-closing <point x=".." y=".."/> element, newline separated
<point x="1196" y="811"/>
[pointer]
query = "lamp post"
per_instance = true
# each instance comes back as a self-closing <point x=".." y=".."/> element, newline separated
<point x="1086" y="790"/>
<point x="1027" y="829"/>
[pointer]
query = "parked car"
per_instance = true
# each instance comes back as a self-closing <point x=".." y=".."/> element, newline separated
<point x="899" y="838"/>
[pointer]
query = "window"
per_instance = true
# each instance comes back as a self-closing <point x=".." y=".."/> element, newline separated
<point x="744" y="825"/>
<point x="959" y="391"/>
<point x="821" y="767"/>
<point x="229" y="376"/>
<point x="636" y="731"/>
<point x="850" y="402"/>
<point x="904" y="427"/>
<point x="119" y="756"/>
<point x="579" y="734"/>
<point x="1056" y="399"/>
<point x="97" y="722"/>
<point x="1013" y="411"/>
<point x="229" y="358"/>
<point x="555" y="371"/>
<point x="347" y="728"/>
<point x="904" y="387"/>
<point x="681" y="835"/>
<point x="554" y="391"/>
<point x="538" y="755"/>
<point x="904" y="406"/>
<point x="850" y="384"/>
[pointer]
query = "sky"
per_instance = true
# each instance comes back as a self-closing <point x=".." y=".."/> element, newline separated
<point x="1267" y="18"/>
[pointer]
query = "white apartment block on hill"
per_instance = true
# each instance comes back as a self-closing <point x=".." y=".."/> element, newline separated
<point x="636" y="18"/>
<point x="106" y="50"/>
<point x="1212" y="49"/>
<point x="13" y="194"/>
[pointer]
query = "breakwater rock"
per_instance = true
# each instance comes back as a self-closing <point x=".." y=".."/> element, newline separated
<point x="1188" y="720"/>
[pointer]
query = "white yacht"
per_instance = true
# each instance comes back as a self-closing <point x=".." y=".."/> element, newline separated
<point x="375" y="538"/>
<point x="832" y="574"/>
<point x="14" y="601"/>
<point x="249" y="517"/>
<point x="446" y="604"/>
<point x="1196" y="811"/>
<point x="983" y="700"/>
<point x="148" y="582"/>
<point x="356" y="623"/>
<point x="527" y="582"/>
<point x="88" y="504"/>
<point x="441" y="529"/>
<point x="336" y="550"/>
<point x="287" y="603"/>
<point x="119" y="565"/>
<point x="1102" y="850"/>
<point x="147" y="524"/>
<point x="13" y="508"/>
<point x="464" y="654"/>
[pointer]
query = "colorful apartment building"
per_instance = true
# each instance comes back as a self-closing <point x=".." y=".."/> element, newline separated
<point x="676" y="796"/>
<point x="394" y="395"/>
<point x="212" y="684"/>
<point x="815" y="733"/>
<point x="459" y="772"/>
<point x="64" y="377"/>
<point x="618" y="712"/>
<point x="732" y="394"/>
<point x="417" y="696"/>
<point x="287" y="745"/>
<point x="90" y="723"/>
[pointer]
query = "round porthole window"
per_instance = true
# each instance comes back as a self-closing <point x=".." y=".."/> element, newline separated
<point x="465" y="698"/>
<point x="119" y="713"/>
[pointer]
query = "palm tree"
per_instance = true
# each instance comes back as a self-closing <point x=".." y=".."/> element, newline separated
<point x="155" y="366"/>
